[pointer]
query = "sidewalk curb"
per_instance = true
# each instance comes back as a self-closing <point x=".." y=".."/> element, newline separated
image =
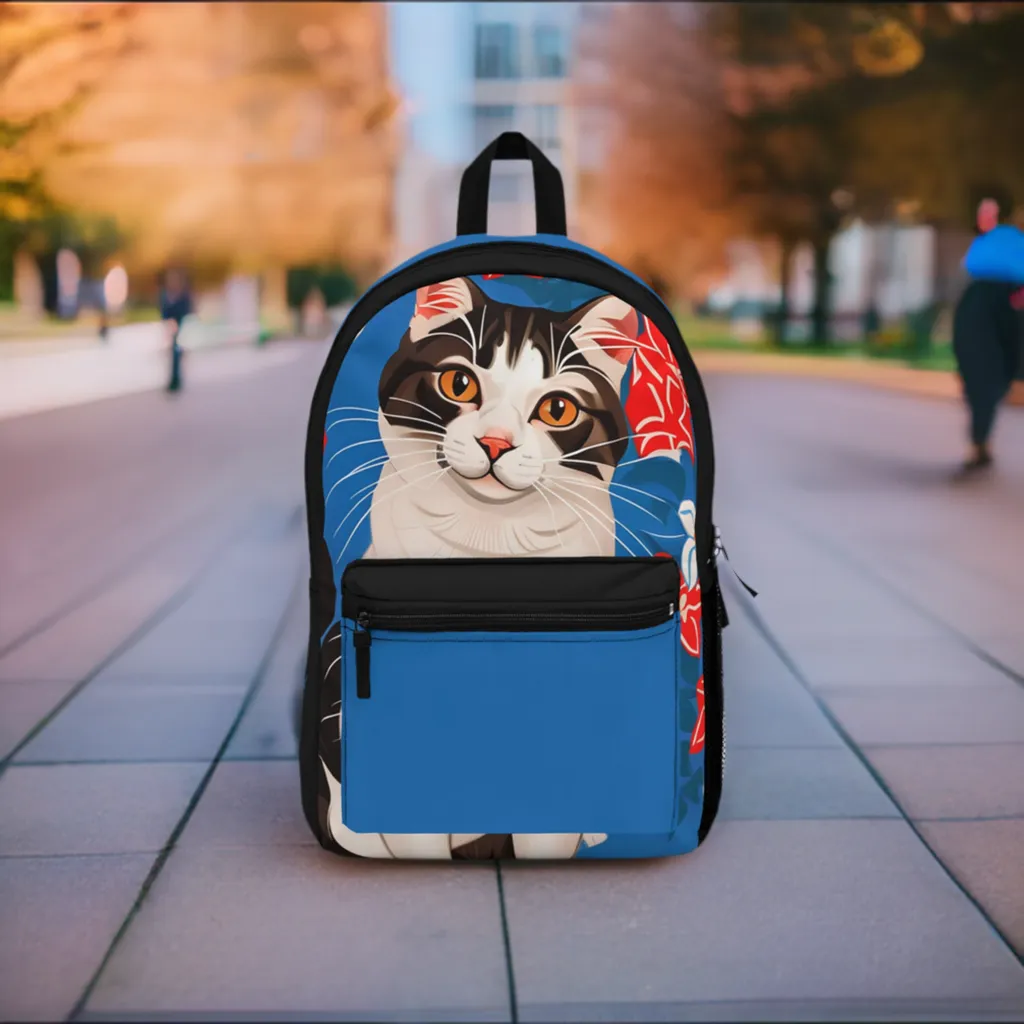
<point x="906" y="379"/>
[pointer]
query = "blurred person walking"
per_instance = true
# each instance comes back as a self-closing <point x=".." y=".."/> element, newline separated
<point x="987" y="332"/>
<point x="175" y="305"/>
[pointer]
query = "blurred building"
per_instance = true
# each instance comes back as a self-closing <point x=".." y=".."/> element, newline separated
<point x="891" y="269"/>
<point x="467" y="72"/>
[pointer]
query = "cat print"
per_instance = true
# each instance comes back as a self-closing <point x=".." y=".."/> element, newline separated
<point x="502" y="425"/>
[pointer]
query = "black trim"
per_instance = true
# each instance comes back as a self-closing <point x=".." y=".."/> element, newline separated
<point x="714" y="696"/>
<point x="549" y="195"/>
<point x="558" y="593"/>
<point x="321" y="614"/>
<point x="527" y="258"/>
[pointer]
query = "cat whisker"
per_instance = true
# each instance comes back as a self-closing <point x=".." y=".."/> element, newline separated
<point x="614" y="440"/>
<point x="575" y="511"/>
<point x="426" y="428"/>
<point x="419" y="405"/>
<point x="605" y="515"/>
<point x="589" y="447"/>
<point x="368" y="496"/>
<point x="376" y="462"/>
<point x="434" y="476"/>
<point x="457" y="337"/>
<point x="351" y="419"/>
<point x="640" y="490"/>
<point x="603" y="490"/>
<point x="369" y="490"/>
<point x="551" y="512"/>
<point x="586" y="368"/>
<point x="566" y="337"/>
<point x="374" y="440"/>
<point x="354" y="408"/>
<point x="432" y="428"/>
<point x="644" y="458"/>
<point x="472" y="333"/>
<point x="632" y="346"/>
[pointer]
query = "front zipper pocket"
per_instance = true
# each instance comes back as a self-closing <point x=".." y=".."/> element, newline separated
<point x="510" y="695"/>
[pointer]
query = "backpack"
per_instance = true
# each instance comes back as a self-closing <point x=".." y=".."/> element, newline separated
<point x="515" y="615"/>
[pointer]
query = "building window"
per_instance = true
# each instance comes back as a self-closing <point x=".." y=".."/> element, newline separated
<point x="490" y="122"/>
<point x="497" y="51"/>
<point x="548" y="51"/>
<point x="546" y="133"/>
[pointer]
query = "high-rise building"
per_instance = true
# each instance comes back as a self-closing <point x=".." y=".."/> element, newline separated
<point x="467" y="72"/>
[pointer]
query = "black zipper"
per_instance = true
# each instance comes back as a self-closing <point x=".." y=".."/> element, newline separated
<point x="508" y="621"/>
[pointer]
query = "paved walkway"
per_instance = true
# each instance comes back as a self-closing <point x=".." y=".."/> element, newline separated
<point x="153" y="859"/>
<point x="37" y="376"/>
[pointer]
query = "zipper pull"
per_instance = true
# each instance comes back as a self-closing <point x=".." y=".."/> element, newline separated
<point x="719" y="549"/>
<point x="361" y="641"/>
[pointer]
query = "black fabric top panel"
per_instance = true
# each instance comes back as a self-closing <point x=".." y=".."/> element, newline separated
<point x="527" y="583"/>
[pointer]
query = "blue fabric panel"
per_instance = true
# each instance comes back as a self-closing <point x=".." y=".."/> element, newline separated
<point x="513" y="732"/>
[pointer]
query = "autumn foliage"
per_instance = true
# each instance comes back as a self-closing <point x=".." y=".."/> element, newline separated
<point x="229" y="135"/>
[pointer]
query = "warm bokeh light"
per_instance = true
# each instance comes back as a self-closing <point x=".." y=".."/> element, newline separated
<point x="115" y="288"/>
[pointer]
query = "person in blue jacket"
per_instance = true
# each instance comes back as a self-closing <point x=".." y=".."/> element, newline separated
<point x="175" y="305"/>
<point x="986" y="333"/>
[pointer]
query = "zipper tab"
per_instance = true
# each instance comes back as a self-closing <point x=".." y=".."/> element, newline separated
<point x="361" y="640"/>
<point x="719" y="549"/>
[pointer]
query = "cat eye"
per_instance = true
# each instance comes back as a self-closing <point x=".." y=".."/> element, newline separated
<point x="557" y="411"/>
<point x="458" y="386"/>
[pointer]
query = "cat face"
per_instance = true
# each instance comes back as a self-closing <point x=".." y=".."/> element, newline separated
<point x="507" y="396"/>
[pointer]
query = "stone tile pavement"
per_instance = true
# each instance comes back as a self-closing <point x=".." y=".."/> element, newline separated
<point x="154" y="863"/>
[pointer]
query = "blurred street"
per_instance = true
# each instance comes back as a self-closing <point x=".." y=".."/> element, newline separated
<point x="154" y="863"/>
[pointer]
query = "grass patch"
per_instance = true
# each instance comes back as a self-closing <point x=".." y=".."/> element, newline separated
<point x="715" y="333"/>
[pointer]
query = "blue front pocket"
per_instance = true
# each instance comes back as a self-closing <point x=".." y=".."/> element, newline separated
<point x="474" y="730"/>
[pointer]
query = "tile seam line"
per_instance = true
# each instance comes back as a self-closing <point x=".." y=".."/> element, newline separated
<point x="756" y="619"/>
<point x="174" y="601"/>
<point x="164" y="854"/>
<point x="841" y="555"/>
<point x="506" y="939"/>
<point x="102" y="762"/>
<point x="106" y="582"/>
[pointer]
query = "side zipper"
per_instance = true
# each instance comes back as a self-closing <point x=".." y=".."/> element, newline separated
<point x="719" y="549"/>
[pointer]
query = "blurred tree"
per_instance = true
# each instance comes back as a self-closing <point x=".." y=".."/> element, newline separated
<point x="660" y="201"/>
<point x="782" y="120"/>
<point x="50" y="56"/>
<point x="797" y="75"/>
<point x="234" y="136"/>
<point x="942" y="136"/>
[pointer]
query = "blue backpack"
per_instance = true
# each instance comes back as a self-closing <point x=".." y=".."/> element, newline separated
<point x="515" y="616"/>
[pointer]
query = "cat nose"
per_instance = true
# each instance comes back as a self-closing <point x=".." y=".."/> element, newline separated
<point x="494" y="446"/>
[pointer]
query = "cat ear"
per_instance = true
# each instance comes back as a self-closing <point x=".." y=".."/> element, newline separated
<point x="606" y="332"/>
<point x="440" y="304"/>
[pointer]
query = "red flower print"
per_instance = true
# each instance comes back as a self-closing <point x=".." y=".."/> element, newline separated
<point x="657" y="408"/>
<point x="690" y="611"/>
<point x="697" y="736"/>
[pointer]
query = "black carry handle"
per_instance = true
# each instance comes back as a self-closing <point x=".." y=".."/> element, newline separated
<point x="476" y="184"/>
